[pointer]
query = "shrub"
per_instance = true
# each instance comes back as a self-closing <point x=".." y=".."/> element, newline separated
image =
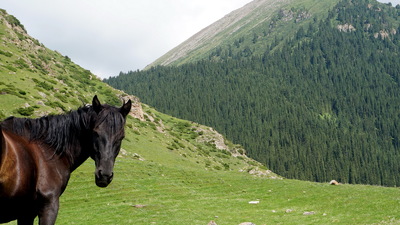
<point x="217" y="168"/>
<point x="10" y="68"/>
<point x="182" y="126"/>
<point x="21" y="64"/>
<point x="228" y="153"/>
<point x="2" y="116"/>
<point x="14" y="21"/>
<point x="222" y="156"/>
<point x="226" y="166"/>
<point x="43" y="84"/>
<point x="11" y="90"/>
<point x="194" y="135"/>
<point x="62" y="98"/>
<point x="28" y="111"/>
<point x="55" y="105"/>
<point x="8" y="54"/>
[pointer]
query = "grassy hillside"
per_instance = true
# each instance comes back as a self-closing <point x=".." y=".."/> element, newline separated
<point x="35" y="80"/>
<point x="49" y="83"/>
<point x="170" y="171"/>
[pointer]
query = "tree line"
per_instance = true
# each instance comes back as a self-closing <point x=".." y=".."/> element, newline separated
<point x="324" y="105"/>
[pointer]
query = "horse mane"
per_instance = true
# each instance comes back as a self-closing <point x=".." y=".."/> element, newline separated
<point x="57" y="131"/>
<point x="62" y="132"/>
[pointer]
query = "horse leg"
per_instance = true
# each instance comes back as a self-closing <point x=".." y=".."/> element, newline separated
<point x="48" y="214"/>
<point x="26" y="220"/>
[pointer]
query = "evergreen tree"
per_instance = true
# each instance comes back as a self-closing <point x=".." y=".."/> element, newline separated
<point x="324" y="105"/>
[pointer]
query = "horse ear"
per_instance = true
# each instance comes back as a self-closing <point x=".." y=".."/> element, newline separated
<point x="96" y="104"/>
<point x="126" y="108"/>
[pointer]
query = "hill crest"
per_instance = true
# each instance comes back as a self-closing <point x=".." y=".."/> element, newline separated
<point x="229" y="24"/>
<point x="256" y="17"/>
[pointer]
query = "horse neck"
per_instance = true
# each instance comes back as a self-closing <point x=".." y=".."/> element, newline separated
<point x="66" y="135"/>
<point x="77" y="144"/>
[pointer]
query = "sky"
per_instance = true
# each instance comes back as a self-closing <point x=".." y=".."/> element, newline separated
<point x="110" y="36"/>
<point x="394" y="2"/>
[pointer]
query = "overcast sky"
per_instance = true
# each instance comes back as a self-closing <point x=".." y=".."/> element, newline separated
<point x="394" y="2"/>
<point x="109" y="36"/>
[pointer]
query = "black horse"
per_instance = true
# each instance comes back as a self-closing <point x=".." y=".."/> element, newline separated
<point x="37" y="157"/>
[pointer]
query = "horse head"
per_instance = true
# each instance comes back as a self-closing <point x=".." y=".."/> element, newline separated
<point x="107" y="135"/>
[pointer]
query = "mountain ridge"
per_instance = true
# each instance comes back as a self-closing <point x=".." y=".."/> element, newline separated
<point x="256" y="12"/>
<point x="209" y="33"/>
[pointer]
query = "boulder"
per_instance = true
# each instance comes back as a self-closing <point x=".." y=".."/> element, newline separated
<point x="334" y="182"/>
<point x="308" y="213"/>
<point x="289" y="210"/>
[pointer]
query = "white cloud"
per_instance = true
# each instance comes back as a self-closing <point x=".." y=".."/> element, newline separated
<point x="107" y="36"/>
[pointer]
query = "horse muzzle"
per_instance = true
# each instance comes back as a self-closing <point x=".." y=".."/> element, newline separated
<point x="103" y="179"/>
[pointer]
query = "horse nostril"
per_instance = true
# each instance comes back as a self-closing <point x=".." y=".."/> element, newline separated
<point x="103" y="178"/>
<point x="101" y="174"/>
<point x="110" y="177"/>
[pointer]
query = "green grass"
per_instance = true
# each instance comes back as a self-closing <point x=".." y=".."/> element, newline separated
<point x="176" y="190"/>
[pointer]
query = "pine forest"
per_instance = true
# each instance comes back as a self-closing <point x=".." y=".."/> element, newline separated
<point x="321" y="104"/>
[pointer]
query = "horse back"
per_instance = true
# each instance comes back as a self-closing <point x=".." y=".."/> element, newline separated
<point x="17" y="167"/>
<point x="30" y="174"/>
<point x="17" y="177"/>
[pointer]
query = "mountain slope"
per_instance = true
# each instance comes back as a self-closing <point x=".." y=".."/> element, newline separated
<point x="36" y="81"/>
<point x="261" y="20"/>
<point x="321" y="103"/>
<point x="172" y="171"/>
